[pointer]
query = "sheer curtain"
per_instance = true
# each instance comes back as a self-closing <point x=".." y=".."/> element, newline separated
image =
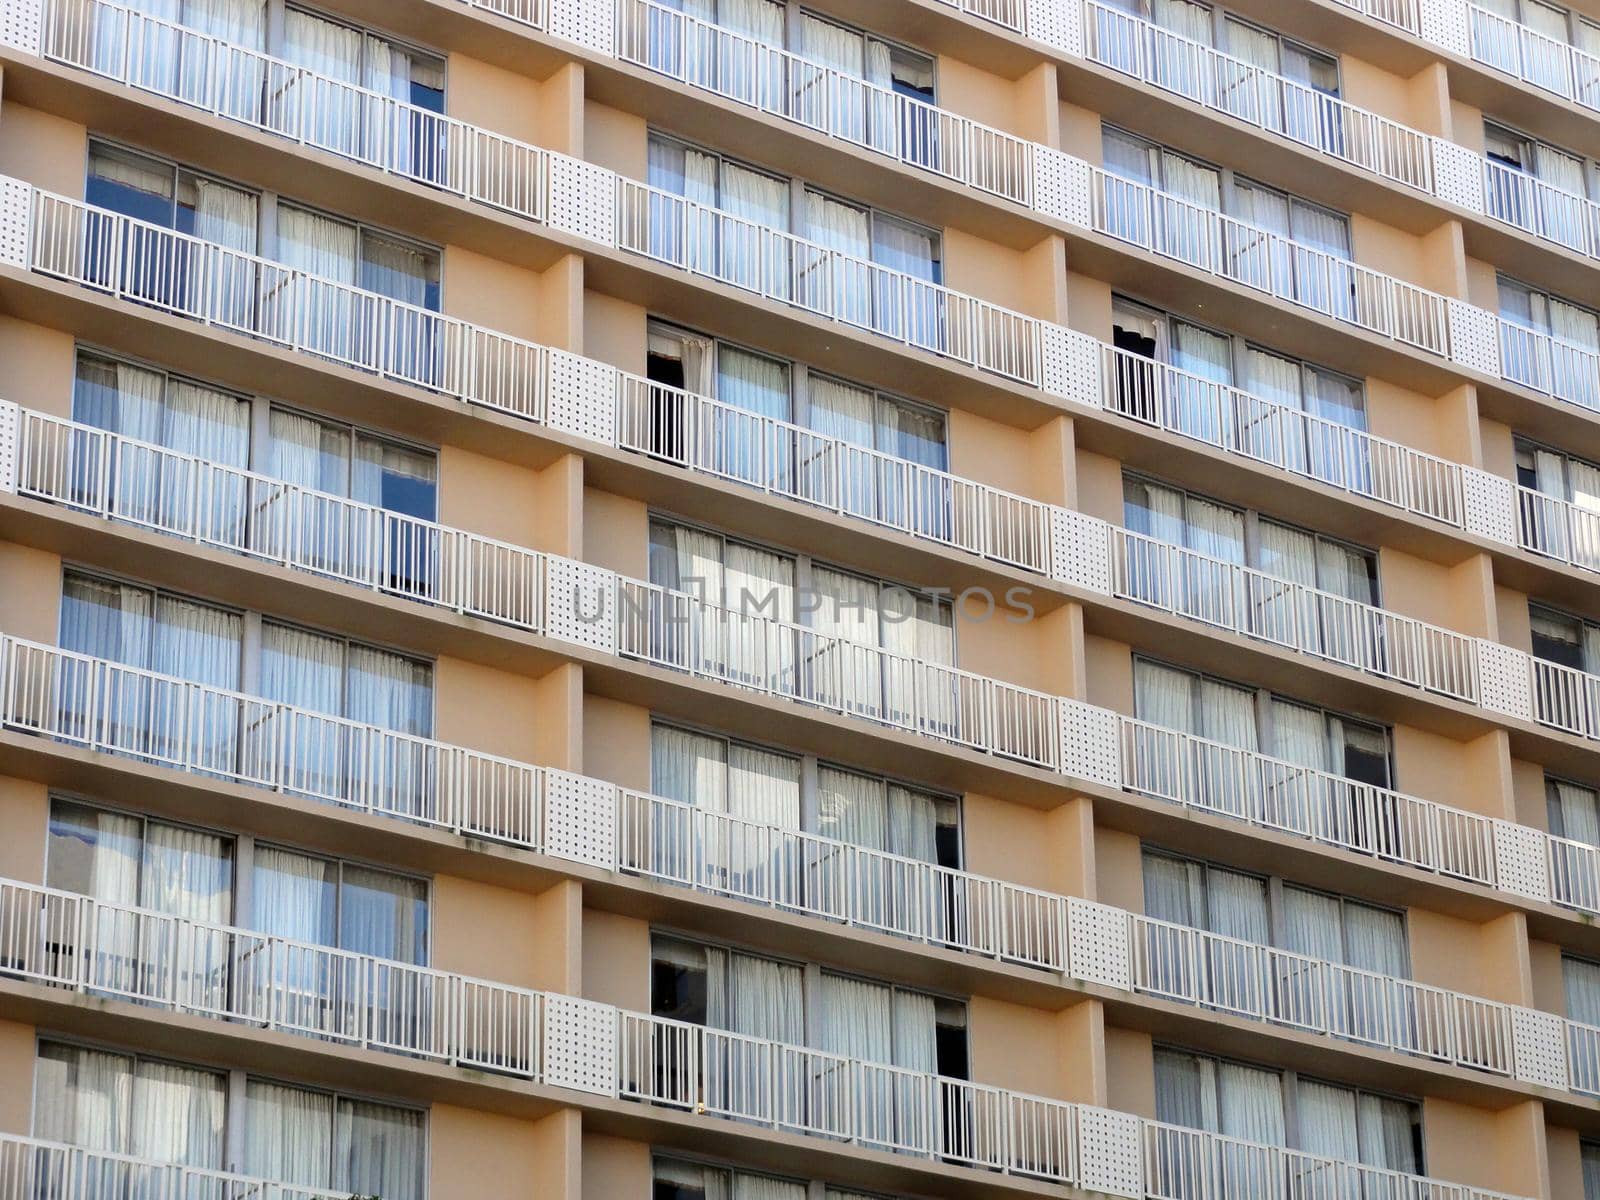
<point x="112" y="621"/>
<point x="1260" y="254"/>
<point x="294" y="896"/>
<point x="1251" y="94"/>
<point x="758" y="205"/>
<point x="187" y="873"/>
<point x="840" y="283"/>
<point x="1323" y="279"/>
<point x="316" y="530"/>
<point x="1200" y="399"/>
<point x="1277" y="434"/>
<point x="841" y="475"/>
<point x="902" y="309"/>
<point x="1575" y="334"/>
<point x="377" y="1150"/>
<point x="848" y="611"/>
<point x="1164" y="696"/>
<point x="1327" y="1120"/>
<point x="383" y="914"/>
<point x="177" y="1115"/>
<point x="82" y="1097"/>
<point x="288" y="1134"/>
<point x="308" y="670"/>
<point x="1192" y="194"/>
<point x="213" y="427"/>
<point x="755" y="996"/>
<point x="328" y="251"/>
<point x="1574" y="811"/>
<point x="327" y="116"/>
<point x="1581" y="980"/>
<point x="748" y="448"/>
<point x="760" y="595"/>
<point x="1583" y="491"/>
<point x="829" y="102"/>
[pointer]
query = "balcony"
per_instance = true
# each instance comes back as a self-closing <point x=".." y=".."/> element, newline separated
<point x="1271" y="609"/>
<point x="31" y="1169"/>
<point x="1533" y="57"/>
<point x="69" y="941"/>
<point x="580" y="199"/>
<point x="1564" y="218"/>
<point x="1558" y="529"/>
<point x="202" y="281"/>
<point x="588" y="821"/>
<point x="176" y="495"/>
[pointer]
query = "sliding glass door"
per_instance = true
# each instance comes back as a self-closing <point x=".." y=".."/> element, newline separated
<point x="156" y="717"/>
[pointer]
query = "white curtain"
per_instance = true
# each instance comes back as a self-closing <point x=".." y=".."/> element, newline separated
<point x="1236" y="906"/>
<point x="398" y="270"/>
<point x="177" y="1115"/>
<point x="748" y="448"/>
<point x="294" y="896"/>
<point x="755" y="996"/>
<point x="858" y="1018"/>
<point x="1201" y="401"/>
<point x="846" y="412"/>
<point x="319" y="245"/>
<point x="690" y="768"/>
<point x="187" y="873"/>
<point x="841" y="286"/>
<point x="919" y="687"/>
<point x="383" y="914"/>
<point x="1186" y="1090"/>
<point x="852" y="808"/>
<point x="326" y="115"/>
<point x="1163" y="696"/>
<point x="764" y="786"/>
<point x="1581" y="980"/>
<point x="83" y="1097"/>
<point x="907" y="310"/>
<point x="1376" y="939"/>
<point x="288" y="1134"/>
<point x="1174" y="890"/>
<point x="303" y="668"/>
<point x="1574" y="811"/>
<point x="848" y="610"/>
<point x="390" y="690"/>
<point x="1327" y="1120"/>
<point x="378" y="1150"/>
<point x="1250" y="1103"/>
<point x="1388" y="1137"/>
<point x="1227" y="714"/>
<point x="1276" y="432"/>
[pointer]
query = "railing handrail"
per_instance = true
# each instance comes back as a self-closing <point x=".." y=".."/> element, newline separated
<point x="129" y="1164"/>
<point x="536" y="1041"/>
<point x="1017" y="928"/>
<point x="881" y="95"/>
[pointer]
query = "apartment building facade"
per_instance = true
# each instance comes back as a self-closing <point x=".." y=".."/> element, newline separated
<point x="802" y="601"/>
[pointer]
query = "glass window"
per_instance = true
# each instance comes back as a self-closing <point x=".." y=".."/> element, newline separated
<point x="678" y="1179"/>
<point x="1341" y="930"/>
<point x="1235" y="1100"/>
<point x="124" y="1104"/>
<point x="154" y="406"/>
<point x="345" y="461"/>
<point x="720" y="571"/>
<point x="1573" y="811"/>
<point x="364" y="58"/>
<point x="1201" y="896"/>
<point x="1327" y="741"/>
<point x="121" y="858"/>
<point x="162" y="193"/>
<point x="1581" y="981"/>
<point x="1560" y="638"/>
<point x="1546" y="313"/>
<point x="359" y="256"/>
<point x="157" y="631"/>
<point x="331" y="903"/>
<point x="1357" y="1126"/>
<point x="341" y="678"/>
<point x="317" y="1139"/>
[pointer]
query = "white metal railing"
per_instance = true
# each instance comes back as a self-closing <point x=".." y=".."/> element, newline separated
<point x="1270" y="984"/>
<point x="796" y="662"/>
<point x="1277" y="610"/>
<point x="228" y="80"/>
<point x="581" y="198"/>
<point x="1293" y="110"/>
<point x="1542" y="209"/>
<point x="108" y="707"/>
<point x="1537" y="360"/>
<point x="1269" y="262"/>
<point x="784" y="459"/>
<point x="871" y="116"/>
<point x="1281" y="436"/>
<point x="854" y="291"/>
<point x="35" y="1169"/>
<point x="1519" y="50"/>
<point x="67" y="940"/>
<point x="1558" y="528"/>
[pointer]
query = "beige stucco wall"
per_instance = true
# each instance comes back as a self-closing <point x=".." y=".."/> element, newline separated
<point x="1499" y="1150"/>
<point x="526" y="939"/>
<point x="43" y="149"/>
<point x="468" y="1148"/>
<point x="616" y="960"/>
<point x="30" y="601"/>
<point x="25" y="820"/>
<point x="614" y="1168"/>
<point x="39" y="362"/>
<point x="16" y="1068"/>
<point x="616" y="741"/>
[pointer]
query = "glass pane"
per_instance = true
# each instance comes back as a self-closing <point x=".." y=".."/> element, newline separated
<point x="83" y="1097"/>
<point x="93" y="852"/>
<point x="378" y="1150"/>
<point x="288" y="1134"/>
<point x="383" y="914"/>
<point x="130" y="184"/>
<point x="294" y="896"/>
